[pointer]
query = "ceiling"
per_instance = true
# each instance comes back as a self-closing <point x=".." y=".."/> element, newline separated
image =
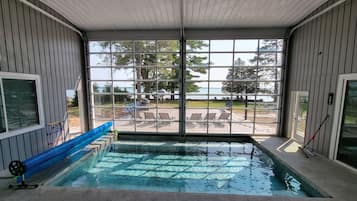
<point x="94" y="15"/>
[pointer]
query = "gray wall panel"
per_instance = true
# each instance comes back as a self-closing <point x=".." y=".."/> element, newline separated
<point x="22" y="38"/>
<point x="6" y="155"/>
<point x="325" y="68"/>
<point x="14" y="149"/>
<point x="27" y="145"/>
<point x="320" y="51"/>
<point x="3" y="53"/>
<point x="33" y="43"/>
<point x="2" y="165"/>
<point x="8" y="41"/>
<point x="16" y="36"/>
<point x="33" y="139"/>
<point x="21" y="147"/>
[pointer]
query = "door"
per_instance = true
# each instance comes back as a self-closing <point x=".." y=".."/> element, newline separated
<point x="73" y="118"/>
<point x="299" y="115"/>
<point x="345" y="125"/>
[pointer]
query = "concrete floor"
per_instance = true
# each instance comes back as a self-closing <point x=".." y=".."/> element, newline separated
<point x="327" y="176"/>
<point x="338" y="181"/>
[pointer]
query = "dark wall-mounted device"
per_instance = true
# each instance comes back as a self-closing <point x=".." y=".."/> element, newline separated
<point x="330" y="98"/>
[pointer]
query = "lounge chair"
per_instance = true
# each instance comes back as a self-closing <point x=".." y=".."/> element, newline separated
<point x="136" y="117"/>
<point x="149" y="116"/>
<point x="223" y="117"/>
<point x="166" y="118"/>
<point x="149" y="119"/>
<point x="194" y="117"/>
<point x="210" y="116"/>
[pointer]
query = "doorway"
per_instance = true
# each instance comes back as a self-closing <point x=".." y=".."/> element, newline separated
<point x="299" y="109"/>
<point x="73" y="115"/>
<point x="344" y="136"/>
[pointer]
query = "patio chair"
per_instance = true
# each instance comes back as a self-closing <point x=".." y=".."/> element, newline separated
<point x="136" y="117"/>
<point x="210" y="116"/>
<point x="166" y="117"/>
<point x="194" y="117"/>
<point x="224" y="116"/>
<point x="149" y="116"/>
<point x="151" y="119"/>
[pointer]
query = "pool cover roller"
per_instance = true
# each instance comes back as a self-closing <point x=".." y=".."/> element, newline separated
<point x="45" y="159"/>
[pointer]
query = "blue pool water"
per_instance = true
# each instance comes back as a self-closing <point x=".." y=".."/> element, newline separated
<point x="209" y="167"/>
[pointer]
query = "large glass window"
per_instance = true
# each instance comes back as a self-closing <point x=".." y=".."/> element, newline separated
<point x="232" y="86"/>
<point x="135" y="84"/>
<point x="20" y="106"/>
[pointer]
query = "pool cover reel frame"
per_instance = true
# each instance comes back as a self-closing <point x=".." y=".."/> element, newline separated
<point x="25" y="169"/>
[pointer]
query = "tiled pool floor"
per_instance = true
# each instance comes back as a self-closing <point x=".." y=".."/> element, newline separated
<point x="337" y="180"/>
<point x="203" y="167"/>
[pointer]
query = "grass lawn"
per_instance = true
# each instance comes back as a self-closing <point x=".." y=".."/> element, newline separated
<point x="191" y="104"/>
<point x="73" y="111"/>
<point x="216" y="104"/>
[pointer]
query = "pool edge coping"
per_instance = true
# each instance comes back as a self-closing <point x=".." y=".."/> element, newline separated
<point x="295" y="171"/>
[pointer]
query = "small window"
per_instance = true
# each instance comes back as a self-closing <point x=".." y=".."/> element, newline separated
<point x="2" y="115"/>
<point x="20" y="104"/>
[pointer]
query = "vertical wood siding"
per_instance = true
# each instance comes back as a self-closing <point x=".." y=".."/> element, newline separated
<point x="32" y="43"/>
<point x="320" y="51"/>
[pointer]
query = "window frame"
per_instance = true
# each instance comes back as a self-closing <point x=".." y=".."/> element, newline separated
<point x="40" y="110"/>
<point x="257" y="95"/>
<point x="132" y="53"/>
<point x="277" y="67"/>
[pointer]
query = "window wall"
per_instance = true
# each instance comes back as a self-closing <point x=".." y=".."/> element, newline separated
<point x="231" y="86"/>
<point x="135" y="84"/>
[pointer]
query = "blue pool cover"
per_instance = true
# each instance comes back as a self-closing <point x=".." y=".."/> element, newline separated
<point x="45" y="159"/>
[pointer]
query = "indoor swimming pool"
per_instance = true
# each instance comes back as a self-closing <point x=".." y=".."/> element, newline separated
<point x="196" y="167"/>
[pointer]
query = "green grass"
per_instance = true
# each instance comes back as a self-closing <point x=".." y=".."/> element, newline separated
<point x="193" y="104"/>
<point x="214" y="104"/>
<point x="73" y="111"/>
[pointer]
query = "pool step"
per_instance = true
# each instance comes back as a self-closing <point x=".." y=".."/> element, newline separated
<point x="101" y="143"/>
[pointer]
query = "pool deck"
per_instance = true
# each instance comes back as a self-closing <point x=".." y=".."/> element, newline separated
<point x="339" y="181"/>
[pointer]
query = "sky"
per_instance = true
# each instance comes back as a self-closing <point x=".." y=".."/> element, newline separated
<point x="217" y="59"/>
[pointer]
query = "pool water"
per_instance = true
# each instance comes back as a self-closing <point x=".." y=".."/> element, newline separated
<point x="200" y="167"/>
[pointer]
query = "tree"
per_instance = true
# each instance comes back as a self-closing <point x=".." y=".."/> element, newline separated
<point x="148" y="55"/>
<point x="268" y="59"/>
<point x="196" y="62"/>
<point x="245" y="87"/>
<point x="232" y="84"/>
<point x="252" y="73"/>
<point x="75" y="100"/>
